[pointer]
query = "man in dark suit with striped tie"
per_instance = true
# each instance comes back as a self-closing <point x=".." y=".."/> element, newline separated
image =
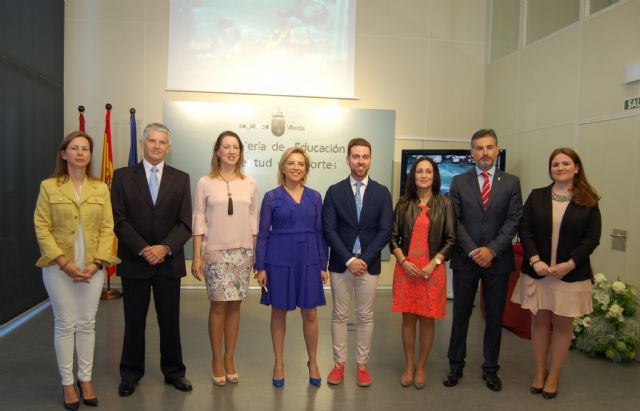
<point x="488" y="204"/>
<point x="152" y="220"/>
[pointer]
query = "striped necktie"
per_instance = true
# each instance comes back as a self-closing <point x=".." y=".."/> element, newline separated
<point x="486" y="189"/>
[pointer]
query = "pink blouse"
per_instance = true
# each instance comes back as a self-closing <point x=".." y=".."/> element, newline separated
<point x="222" y="231"/>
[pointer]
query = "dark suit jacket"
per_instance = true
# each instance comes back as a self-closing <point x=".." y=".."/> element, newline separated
<point x="341" y="226"/>
<point x="580" y="231"/>
<point x="494" y="227"/>
<point x="138" y="223"/>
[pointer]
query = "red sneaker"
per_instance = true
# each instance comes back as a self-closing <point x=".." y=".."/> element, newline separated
<point x="337" y="374"/>
<point x="363" y="378"/>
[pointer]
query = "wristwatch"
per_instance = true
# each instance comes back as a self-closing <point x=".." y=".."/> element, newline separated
<point x="98" y="264"/>
<point x="438" y="261"/>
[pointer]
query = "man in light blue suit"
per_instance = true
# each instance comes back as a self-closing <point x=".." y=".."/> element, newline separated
<point x="488" y="205"/>
<point x="357" y="222"/>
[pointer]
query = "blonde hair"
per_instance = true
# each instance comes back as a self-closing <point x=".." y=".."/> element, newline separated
<point x="215" y="160"/>
<point x="285" y="156"/>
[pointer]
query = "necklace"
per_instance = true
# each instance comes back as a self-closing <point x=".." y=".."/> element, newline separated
<point x="562" y="198"/>
<point x="230" y="201"/>
<point x="425" y="200"/>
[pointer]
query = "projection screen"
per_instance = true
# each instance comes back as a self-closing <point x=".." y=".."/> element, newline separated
<point x="275" y="47"/>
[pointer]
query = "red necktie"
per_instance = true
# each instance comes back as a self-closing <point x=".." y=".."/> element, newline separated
<point x="486" y="189"/>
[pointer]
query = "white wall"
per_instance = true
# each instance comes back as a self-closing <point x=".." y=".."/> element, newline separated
<point x="566" y="90"/>
<point x="422" y="58"/>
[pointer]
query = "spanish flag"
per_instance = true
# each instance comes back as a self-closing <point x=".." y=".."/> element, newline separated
<point x="106" y="173"/>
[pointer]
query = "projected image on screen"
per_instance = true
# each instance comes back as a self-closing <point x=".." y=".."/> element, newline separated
<point x="283" y="47"/>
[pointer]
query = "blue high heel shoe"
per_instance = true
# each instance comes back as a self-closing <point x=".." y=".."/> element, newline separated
<point x="277" y="383"/>
<point x="316" y="382"/>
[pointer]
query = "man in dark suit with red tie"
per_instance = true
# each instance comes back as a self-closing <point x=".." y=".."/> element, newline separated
<point x="488" y="204"/>
<point x="152" y="217"/>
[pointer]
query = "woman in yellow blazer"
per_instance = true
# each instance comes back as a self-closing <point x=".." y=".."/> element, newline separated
<point x="74" y="228"/>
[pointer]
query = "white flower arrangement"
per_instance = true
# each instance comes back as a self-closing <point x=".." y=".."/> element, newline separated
<point x="610" y="330"/>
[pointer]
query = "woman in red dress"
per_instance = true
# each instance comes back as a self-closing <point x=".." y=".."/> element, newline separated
<point x="423" y="237"/>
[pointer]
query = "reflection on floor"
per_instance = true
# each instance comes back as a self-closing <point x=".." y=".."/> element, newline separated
<point x="29" y="378"/>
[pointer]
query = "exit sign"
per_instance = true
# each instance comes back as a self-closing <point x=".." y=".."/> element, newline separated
<point x="632" y="103"/>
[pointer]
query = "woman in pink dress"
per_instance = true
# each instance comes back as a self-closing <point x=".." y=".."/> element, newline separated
<point x="423" y="237"/>
<point x="225" y="225"/>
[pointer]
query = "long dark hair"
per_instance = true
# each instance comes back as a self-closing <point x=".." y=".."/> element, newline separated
<point x="583" y="193"/>
<point x="62" y="170"/>
<point x="411" y="190"/>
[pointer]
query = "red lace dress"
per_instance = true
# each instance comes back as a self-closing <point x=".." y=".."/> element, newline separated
<point x="424" y="297"/>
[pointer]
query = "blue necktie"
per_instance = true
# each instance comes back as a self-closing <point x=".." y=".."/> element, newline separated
<point x="356" y="245"/>
<point x="154" y="184"/>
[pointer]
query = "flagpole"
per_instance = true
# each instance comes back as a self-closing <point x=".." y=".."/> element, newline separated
<point x="81" y="119"/>
<point x="106" y="175"/>
<point x="133" y="144"/>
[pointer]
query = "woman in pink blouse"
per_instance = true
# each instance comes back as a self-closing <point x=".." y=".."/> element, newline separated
<point x="225" y="225"/>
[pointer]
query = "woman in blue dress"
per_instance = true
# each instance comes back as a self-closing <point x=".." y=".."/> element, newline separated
<point x="291" y="258"/>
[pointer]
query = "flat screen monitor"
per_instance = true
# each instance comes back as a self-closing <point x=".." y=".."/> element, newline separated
<point x="450" y="163"/>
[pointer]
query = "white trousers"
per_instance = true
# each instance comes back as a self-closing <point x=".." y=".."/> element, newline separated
<point x="344" y="286"/>
<point x="74" y="314"/>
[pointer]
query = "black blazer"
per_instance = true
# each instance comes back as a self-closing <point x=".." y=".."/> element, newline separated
<point x="341" y="226"/>
<point x="442" y="227"/>
<point x="494" y="227"/>
<point x="579" y="234"/>
<point x="138" y="223"/>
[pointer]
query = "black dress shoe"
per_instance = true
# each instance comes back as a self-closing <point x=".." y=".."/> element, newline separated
<point x="452" y="378"/>
<point x="549" y="395"/>
<point x="126" y="388"/>
<point x="91" y="402"/>
<point x="180" y="383"/>
<point x="492" y="380"/>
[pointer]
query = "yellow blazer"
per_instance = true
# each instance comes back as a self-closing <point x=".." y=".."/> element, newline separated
<point x="57" y="216"/>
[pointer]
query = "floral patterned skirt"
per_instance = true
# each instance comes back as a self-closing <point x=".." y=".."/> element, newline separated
<point x="226" y="273"/>
<point x="549" y="293"/>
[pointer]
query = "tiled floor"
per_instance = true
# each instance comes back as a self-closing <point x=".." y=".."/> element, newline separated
<point x="29" y="379"/>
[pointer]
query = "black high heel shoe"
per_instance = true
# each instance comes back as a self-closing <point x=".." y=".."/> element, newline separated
<point x="538" y="390"/>
<point x="535" y="390"/>
<point x="91" y="402"/>
<point x="69" y="405"/>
